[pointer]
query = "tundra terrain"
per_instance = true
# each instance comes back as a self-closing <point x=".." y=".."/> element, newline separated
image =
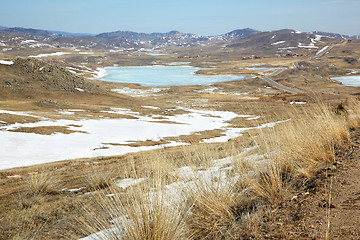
<point x="275" y="155"/>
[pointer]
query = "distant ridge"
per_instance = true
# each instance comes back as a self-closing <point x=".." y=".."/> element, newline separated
<point x="39" y="33"/>
<point x="129" y="35"/>
<point x="130" y="39"/>
<point x="30" y="32"/>
<point x="241" y="33"/>
<point x="72" y="34"/>
<point x="332" y="35"/>
<point x="280" y="40"/>
<point x="141" y="36"/>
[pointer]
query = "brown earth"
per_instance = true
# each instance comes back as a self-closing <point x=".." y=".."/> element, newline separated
<point x="327" y="207"/>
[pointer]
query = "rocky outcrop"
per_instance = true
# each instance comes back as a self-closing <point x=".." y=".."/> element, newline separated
<point x="32" y="75"/>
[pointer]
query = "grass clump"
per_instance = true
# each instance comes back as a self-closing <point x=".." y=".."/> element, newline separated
<point x="137" y="213"/>
<point x="100" y="179"/>
<point x="42" y="183"/>
<point x="212" y="213"/>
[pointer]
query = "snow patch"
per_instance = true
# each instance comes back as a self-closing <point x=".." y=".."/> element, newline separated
<point x="279" y="42"/>
<point x="21" y="114"/>
<point x="139" y="92"/>
<point x="310" y="46"/>
<point x="295" y="102"/>
<point x="100" y="73"/>
<point x="4" y="62"/>
<point x="322" y="50"/>
<point x="253" y="118"/>
<point x="50" y="54"/>
<point x="28" y="41"/>
<point x="318" y="38"/>
<point x="150" y="107"/>
<point x="127" y="182"/>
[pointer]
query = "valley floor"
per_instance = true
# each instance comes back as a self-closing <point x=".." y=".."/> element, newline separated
<point x="230" y="128"/>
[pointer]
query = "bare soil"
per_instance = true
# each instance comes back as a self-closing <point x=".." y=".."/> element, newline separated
<point x="326" y="207"/>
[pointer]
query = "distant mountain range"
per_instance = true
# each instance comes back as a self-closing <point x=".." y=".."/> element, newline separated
<point x="239" y="33"/>
<point x="38" y="33"/>
<point x="127" y="40"/>
<point x="336" y="35"/>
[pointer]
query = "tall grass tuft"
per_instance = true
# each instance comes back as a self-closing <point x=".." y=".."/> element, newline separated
<point x="306" y="142"/>
<point x="100" y="179"/>
<point x="269" y="183"/>
<point x="139" y="213"/>
<point x="212" y="213"/>
<point x="42" y="183"/>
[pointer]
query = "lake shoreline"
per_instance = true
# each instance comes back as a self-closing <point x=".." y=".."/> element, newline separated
<point x="164" y="76"/>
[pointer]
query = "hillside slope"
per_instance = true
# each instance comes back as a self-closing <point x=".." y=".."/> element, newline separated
<point x="32" y="77"/>
<point x="281" y="42"/>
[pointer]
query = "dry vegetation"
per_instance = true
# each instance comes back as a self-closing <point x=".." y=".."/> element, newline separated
<point x="224" y="208"/>
<point x="183" y="192"/>
<point x="208" y="202"/>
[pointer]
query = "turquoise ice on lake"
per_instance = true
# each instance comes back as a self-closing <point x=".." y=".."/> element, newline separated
<point x="164" y="76"/>
<point x="350" y="81"/>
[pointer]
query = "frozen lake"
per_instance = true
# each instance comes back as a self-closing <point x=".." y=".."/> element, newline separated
<point x="164" y="76"/>
<point x="350" y="81"/>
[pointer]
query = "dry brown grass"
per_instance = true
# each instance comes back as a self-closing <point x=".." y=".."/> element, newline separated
<point x="139" y="213"/>
<point x="212" y="213"/>
<point x="27" y="224"/>
<point x="293" y="150"/>
<point x="166" y="206"/>
<point x="352" y="114"/>
<point x="198" y="209"/>
<point x="42" y="183"/>
<point x="100" y="179"/>
<point x="298" y="149"/>
<point x="269" y="184"/>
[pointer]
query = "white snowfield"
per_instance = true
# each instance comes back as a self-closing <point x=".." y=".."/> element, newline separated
<point x="97" y="135"/>
<point x="107" y="137"/>
<point x="4" y="62"/>
<point x="50" y="54"/>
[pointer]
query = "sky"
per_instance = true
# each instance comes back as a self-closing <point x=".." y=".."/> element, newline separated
<point x="203" y="17"/>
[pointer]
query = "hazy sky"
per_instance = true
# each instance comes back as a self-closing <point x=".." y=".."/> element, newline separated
<point x="203" y="17"/>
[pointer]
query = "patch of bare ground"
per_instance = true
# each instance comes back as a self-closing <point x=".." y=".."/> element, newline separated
<point x="197" y="136"/>
<point x="7" y="119"/>
<point x="139" y="143"/>
<point x="46" y="130"/>
<point x="326" y="206"/>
